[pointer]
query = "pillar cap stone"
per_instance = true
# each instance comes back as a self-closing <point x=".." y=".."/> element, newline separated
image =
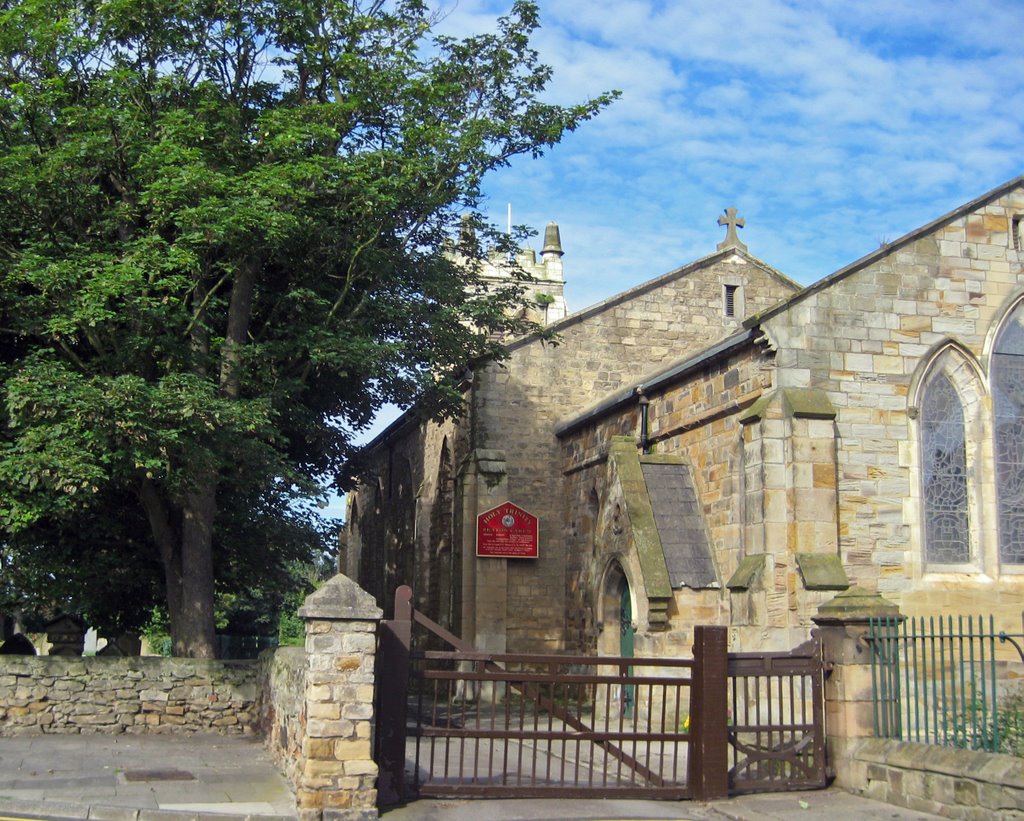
<point x="340" y="599"/>
<point x="855" y="605"/>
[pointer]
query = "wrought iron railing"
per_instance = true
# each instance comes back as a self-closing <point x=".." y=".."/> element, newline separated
<point x="944" y="681"/>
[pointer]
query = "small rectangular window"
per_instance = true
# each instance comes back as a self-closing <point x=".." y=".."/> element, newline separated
<point x="730" y="300"/>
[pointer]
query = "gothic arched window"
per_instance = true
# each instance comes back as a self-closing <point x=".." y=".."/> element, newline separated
<point x="1008" y="409"/>
<point x="946" y="525"/>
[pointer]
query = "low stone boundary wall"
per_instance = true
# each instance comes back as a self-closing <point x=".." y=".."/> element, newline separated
<point x="314" y="705"/>
<point x="962" y="784"/>
<point x="64" y="694"/>
<point x="282" y="705"/>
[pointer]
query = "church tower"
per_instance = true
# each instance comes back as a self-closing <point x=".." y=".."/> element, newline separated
<point x="545" y="292"/>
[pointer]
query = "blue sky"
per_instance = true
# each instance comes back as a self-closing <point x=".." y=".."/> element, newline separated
<point x="831" y="126"/>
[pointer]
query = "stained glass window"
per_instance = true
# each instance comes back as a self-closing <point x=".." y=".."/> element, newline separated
<point x="1008" y="406"/>
<point x="947" y="539"/>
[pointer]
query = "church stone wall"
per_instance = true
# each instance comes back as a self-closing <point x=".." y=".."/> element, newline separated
<point x="827" y="461"/>
<point x="401" y="519"/>
<point x="824" y="464"/>
<point x="697" y="419"/>
<point x="517" y="404"/>
<point x="864" y="337"/>
<point x="394" y="533"/>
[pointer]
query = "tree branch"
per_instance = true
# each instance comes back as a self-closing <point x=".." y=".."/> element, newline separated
<point x="239" y="315"/>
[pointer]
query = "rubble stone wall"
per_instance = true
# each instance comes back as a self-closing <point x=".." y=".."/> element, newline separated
<point x="63" y="694"/>
<point x="282" y="708"/>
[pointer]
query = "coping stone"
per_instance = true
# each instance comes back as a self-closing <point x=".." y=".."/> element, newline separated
<point x="340" y="599"/>
<point x="856" y="605"/>
<point x="822" y="571"/>
<point x="748" y="572"/>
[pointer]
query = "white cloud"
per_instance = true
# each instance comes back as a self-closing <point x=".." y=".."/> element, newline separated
<point x="829" y="124"/>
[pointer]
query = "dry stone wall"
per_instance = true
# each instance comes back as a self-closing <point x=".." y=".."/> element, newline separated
<point x="61" y="694"/>
<point x="315" y="705"/>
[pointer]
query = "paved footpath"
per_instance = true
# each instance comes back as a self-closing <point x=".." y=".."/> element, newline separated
<point x="834" y="805"/>
<point x="141" y="778"/>
<point x="226" y="778"/>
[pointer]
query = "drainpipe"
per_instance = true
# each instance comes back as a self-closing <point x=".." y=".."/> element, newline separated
<point x="645" y="442"/>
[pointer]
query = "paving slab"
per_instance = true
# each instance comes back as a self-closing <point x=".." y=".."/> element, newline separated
<point x="831" y="804"/>
<point x="96" y="777"/>
<point x="142" y="778"/>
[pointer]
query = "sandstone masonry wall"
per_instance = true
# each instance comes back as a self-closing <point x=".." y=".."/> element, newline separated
<point x="401" y="522"/>
<point x="866" y="338"/>
<point x="696" y="419"/>
<point x="513" y="408"/>
<point x="839" y="472"/>
<point x="282" y="708"/>
<point x="60" y="694"/>
<point x="337" y="778"/>
<point x="962" y="784"/>
<point x="518" y="403"/>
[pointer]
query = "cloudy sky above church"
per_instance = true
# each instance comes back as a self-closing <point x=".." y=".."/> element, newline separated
<point x="831" y="126"/>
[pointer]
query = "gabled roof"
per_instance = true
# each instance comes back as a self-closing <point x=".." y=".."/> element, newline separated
<point x="883" y="251"/>
<point x="661" y="378"/>
<point x="657" y="380"/>
<point x="409" y="419"/>
<point x="650" y="285"/>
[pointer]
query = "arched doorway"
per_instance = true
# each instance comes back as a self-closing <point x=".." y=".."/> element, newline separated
<point x="627" y="634"/>
<point x="618" y="627"/>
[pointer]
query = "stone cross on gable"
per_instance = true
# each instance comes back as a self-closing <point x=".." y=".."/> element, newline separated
<point x="731" y="240"/>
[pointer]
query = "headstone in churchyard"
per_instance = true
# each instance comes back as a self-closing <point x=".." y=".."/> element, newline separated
<point x="17" y="645"/>
<point x="66" y="635"/>
<point x="127" y="644"/>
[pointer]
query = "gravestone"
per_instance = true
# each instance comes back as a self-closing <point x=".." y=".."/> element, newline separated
<point x="17" y="645"/>
<point x="66" y="635"/>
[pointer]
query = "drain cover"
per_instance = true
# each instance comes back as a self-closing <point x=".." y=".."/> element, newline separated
<point x="157" y="775"/>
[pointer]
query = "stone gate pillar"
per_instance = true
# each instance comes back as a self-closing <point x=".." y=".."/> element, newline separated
<point x="843" y="625"/>
<point x="338" y="776"/>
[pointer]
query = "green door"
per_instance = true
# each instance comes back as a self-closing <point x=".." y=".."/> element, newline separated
<point x="626" y="647"/>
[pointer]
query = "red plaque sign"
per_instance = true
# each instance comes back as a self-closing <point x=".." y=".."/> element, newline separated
<point x="507" y="532"/>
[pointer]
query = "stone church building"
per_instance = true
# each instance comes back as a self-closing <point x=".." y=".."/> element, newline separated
<point x="721" y="446"/>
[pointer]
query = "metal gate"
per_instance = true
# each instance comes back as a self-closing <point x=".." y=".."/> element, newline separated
<point x="777" y="721"/>
<point x="462" y="722"/>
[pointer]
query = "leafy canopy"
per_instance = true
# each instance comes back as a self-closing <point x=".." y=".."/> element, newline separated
<point x="226" y="236"/>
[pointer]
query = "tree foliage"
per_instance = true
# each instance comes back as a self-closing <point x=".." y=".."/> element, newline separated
<point x="225" y="241"/>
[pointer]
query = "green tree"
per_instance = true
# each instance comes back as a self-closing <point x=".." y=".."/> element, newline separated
<point x="225" y="235"/>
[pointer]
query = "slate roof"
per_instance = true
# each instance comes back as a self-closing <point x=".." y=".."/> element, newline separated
<point x="680" y="525"/>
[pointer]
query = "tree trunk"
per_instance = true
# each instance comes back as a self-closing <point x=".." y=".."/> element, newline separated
<point x="194" y="635"/>
<point x="187" y="560"/>
<point x="168" y="545"/>
<point x="187" y="554"/>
